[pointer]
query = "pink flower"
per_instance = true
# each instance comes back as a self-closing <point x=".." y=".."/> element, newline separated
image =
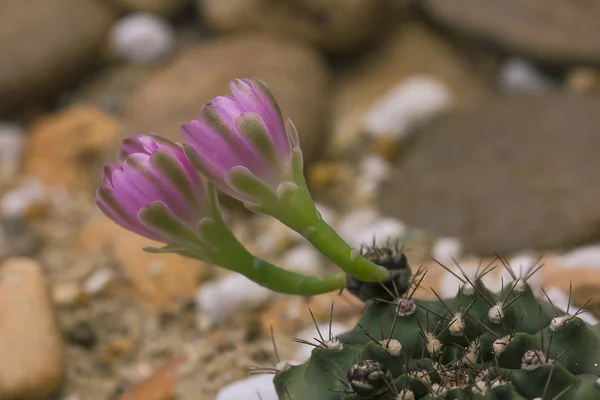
<point x="244" y="133"/>
<point x="154" y="191"/>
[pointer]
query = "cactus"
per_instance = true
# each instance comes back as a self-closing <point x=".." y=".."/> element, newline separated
<point x="477" y="345"/>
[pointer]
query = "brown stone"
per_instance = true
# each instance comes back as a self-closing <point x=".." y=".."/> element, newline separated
<point x="161" y="281"/>
<point x="63" y="146"/>
<point x="32" y="365"/>
<point x="294" y="73"/>
<point x="160" y="385"/>
<point x="46" y="45"/>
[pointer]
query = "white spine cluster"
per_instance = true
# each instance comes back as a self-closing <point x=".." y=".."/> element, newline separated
<point x="501" y="344"/>
<point x="432" y="344"/>
<point x="496" y="313"/>
<point x="558" y="322"/>
<point x="405" y="394"/>
<point x="392" y="346"/>
<point x="457" y="325"/>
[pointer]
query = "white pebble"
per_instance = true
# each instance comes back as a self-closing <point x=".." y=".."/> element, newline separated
<point x="413" y="100"/>
<point x="518" y="75"/>
<point x="382" y="231"/>
<point x="12" y="143"/>
<point x="310" y="334"/>
<point x="66" y="294"/>
<point x="328" y="214"/>
<point x="18" y="201"/>
<point x="230" y="295"/>
<point x="375" y="167"/>
<point x="446" y="249"/>
<point x="142" y="38"/>
<point x="521" y="265"/>
<point x="349" y="227"/>
<point x="98" y="281"/>
<point x="582" y="257"/>
<point x="303" y="259"/>
<point x="373" y="170"/>
<point x="450" y="285"/>
<point x="257" y="387"/>
<point x="560" y="300"/>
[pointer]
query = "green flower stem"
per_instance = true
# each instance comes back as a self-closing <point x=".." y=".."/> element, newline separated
<point x="325" y="239"/>
<point x="285" y="281"/>
<point x="295" y="208"/>
<point x="276" y="278"/>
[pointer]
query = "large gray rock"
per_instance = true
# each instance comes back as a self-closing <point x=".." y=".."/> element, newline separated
<point x="295" y="74"/>
<point x="550" y="30"/>
<point x="335" y="25"/>
<point x="515" y="173"/>
<point x="46" y="45"/>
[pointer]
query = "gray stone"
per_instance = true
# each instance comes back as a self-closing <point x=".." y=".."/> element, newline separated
<point x="550" y="30"/>
<point x="514" y="173"/>
<point x="46" y="45"/>
<point x="335" y="25"/>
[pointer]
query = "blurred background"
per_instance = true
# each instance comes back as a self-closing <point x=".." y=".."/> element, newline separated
<point x="464" y="129"/>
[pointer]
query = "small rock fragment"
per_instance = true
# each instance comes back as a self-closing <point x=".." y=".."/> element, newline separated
<point x="303" y="259"/>
<point x="518" y="75"/>
<point x="413" y="100"/>
<point x="66" y="294"/>
<point x="18" y="202"/>
<point x="230" y="295"/>
<point x="98" y="281"/>
<point x="446" y="249"/>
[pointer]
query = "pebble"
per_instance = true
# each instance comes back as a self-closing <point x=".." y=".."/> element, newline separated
<point x="446" y="249"/>
<point x="258" y="387"/>
<point x="32" y="363"/>
<point x="582" y="257"/>
<point x="519" y="75"/>
<point x="350" y="226"/>
<point x="161" y="281"/>
<point x="373" y="170"/>
<point x="415" y="99"/>
<point x="303" y="259"/>
<point x="383" y="231"/>
<point x="68" y="141"/>
<point x="449" y="284"/>
<point x="232" y="294"/>
<point x="561" y="300"/>
<point x="328" y="214"/>
<point x="98" y="281"/>
<point x="66" y="294"/>
<point x="12" y="143"/>
<point x="583" y="80"/>
<point x="142" y="38"/>
<point x="310" y="333"/>
<point x="17" y="202"/>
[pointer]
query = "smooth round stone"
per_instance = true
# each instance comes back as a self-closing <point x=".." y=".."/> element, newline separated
<point x="555" y="31"/>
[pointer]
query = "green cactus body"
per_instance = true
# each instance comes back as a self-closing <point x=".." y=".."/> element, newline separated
<point x="477" y="345"/>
